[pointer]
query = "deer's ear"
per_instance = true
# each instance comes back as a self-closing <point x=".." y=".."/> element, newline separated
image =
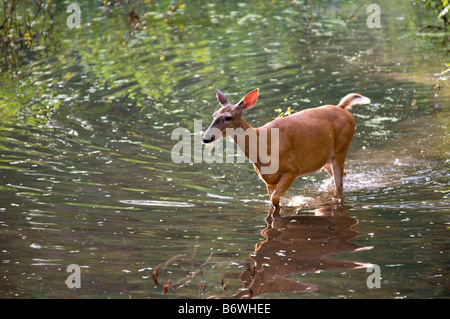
<point x="249" y="100"/>
<point x="221" y="98"/>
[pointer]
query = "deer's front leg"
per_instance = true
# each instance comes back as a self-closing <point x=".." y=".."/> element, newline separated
<point x="271" y="189"/>
<point x="282" y="186"/>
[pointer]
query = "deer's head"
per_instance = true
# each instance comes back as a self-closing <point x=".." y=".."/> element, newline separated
<point x="228" y="116"/>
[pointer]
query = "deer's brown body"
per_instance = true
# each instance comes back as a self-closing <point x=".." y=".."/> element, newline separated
<point x="309" y="140"/>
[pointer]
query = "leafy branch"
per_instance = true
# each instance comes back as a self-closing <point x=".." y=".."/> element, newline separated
<point x="441" y="9"/>
<point x="24" y="23"/>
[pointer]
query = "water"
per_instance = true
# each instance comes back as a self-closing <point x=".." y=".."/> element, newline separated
<point x="86" y="175"/>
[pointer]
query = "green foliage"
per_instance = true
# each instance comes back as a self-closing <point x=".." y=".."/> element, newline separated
<point x="441" y="9"/>
<point x="24" y="24"/>
<point x="137" y="53"/>
<point x="281" y="114"/>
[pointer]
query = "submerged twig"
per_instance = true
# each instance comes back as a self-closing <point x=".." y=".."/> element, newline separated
<point x="155" y="274"/>
<point x="174" y="286"/>
<point x="167" y="286"/>
<point x="222" y="281"/>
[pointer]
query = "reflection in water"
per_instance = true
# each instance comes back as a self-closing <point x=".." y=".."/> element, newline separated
<point x="299" y="244"/>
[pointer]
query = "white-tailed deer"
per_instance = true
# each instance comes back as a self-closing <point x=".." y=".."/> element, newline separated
<point x="309" y="140"/>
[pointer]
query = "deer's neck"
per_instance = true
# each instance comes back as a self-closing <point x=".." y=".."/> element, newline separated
<point x="244" y="125"/>
<point x="243" y="138"/>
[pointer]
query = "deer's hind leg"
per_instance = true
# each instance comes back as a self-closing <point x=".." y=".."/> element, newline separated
<point x="329" y="168"/>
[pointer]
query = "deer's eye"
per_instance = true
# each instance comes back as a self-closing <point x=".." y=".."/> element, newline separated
<point x="228" y="118"/>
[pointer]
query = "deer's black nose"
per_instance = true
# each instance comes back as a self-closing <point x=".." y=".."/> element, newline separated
<point x="208" y="140"/>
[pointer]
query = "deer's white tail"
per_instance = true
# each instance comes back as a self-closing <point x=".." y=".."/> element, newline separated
<point x="353" y="99"/>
